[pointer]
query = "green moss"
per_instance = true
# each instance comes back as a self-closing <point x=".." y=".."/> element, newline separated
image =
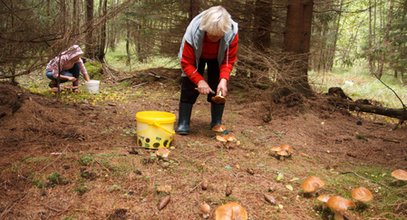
<point x="94" y="69"/>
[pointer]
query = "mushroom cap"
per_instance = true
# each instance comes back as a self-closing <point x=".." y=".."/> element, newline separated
<point x="276" y="148"/>
<point x="163" y="152"/>
<point x="230" y="137"/>
<point x="399" y="174"/>
<point x="221" y="138"/>
<point x="312" y="184"/>
<point x="339" y="204"/>
<point x="362" y="194"/>
<point x="283" y="153"/>
<point x="218" y="99"/>
<point x="218" y="128"/>
<point x="287" y="148"/>
<point x="324" y="198"/>
<point x="204" y="208"/>
<point x="231" y="211"/>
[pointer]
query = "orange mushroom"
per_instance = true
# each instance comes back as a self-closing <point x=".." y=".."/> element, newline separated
<point x="362" y="194"/>
<point x="219" y="128"/>
<point x="163" y="153"/>
<point x="324" y="198"/>
<point x="205" y="210"/>
<point x="311" y="184"/>
<point x="339" y="205"/>
<point x="282" y="151"/>
<point x="399" y="174"/>
<point x="231" y="211"/>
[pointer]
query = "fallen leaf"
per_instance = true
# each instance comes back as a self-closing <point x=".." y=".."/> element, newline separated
<point x="280" y="176"/>
<point x="228" y="190"/>
<point x="289" y="187"/>
<point x="270" y="199"/>
<point x="164" y="202"/>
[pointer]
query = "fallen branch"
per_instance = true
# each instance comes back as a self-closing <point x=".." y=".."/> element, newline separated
<point x="400" y="114"/>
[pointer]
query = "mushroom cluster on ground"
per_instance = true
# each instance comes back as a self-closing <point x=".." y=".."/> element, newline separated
<point x="281" y="152"/>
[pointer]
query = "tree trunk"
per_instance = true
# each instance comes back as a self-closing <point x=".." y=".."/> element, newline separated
<point x="335" y="41"/>
<point x="297" y="42"/>
<point x="90" y="51"/>
<point x="262" y="24"/>
<point x="194" y="6"/>
<point x="102" y="42"/>
<point x="386" y="40"/>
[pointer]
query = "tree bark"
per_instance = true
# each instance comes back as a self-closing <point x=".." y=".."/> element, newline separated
<point x="102" y="42"/>
<point x="262" y="24"/>
<point x="297" y="41"/>
<point x="335" y="41"/>
<point x="90" y="49"/>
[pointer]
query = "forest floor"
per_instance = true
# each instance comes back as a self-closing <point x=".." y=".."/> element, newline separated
<point x="79" y="160"/>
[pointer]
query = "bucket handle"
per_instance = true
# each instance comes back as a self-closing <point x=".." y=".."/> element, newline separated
<point x="163" y="128"/>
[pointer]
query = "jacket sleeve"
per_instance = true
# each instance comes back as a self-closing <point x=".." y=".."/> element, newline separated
<point x="83" y="68"/>
<point x="230" y="59"/>
<point x="188" y="64"/>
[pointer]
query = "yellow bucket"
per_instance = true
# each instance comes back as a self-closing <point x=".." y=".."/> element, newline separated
<point x="155" y="129"/>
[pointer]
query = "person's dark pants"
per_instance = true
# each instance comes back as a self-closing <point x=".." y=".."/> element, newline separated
<point x="189" y="95"/>
<point x="188" y="92"/>
<point x="74" y="71"/>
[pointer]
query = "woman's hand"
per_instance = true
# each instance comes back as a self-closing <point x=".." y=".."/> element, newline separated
<point x="222" y="87"/>
<point x="203" y="88"/>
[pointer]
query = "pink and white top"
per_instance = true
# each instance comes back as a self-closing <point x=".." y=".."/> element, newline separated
<point x="66" y="61"/>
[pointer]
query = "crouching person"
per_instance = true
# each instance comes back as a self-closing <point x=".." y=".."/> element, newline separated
<point x="67" y="66"/>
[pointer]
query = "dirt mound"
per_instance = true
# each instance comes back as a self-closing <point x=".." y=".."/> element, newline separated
<point x="10" y="99"/>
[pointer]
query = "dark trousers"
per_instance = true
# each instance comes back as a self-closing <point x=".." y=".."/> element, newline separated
<point x="188" y="92"/>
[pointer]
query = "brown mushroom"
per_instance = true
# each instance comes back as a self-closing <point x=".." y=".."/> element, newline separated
<point x="399" y="174"/>
<point x="287" y="148"/>
<point x="231" y="211"/>
<point x="219" y="99"/>
<point x="339" y="205"/>
<point x="362" y="194"/>
<point x="219" y="128"/>
<point x="311" y="184"/>
<point x="205" y="210"/>
<point x="276" y="148"/>
<point x="324" y="198"/>
<point x="163" y="153"/>
<point x="221" y="138"/>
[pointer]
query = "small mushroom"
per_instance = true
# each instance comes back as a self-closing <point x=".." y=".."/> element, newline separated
<point x="163" y="153"/>
<point x="219" y="99"/>
<point x="205" y="210"/>
<point x="311" y="184"/>
<point x="231" y="211"/>
<point x="339" y="205"/>
<point x="287" y="148"/>
<point x="362" y="194"/>
<point x="399" y="174"/>
<point x="219" y="128"/>
<point x="324" y="198"/>
<point x="221" y="138"/>
<point x="282" y="151"/>
<point x="230" y="137"/>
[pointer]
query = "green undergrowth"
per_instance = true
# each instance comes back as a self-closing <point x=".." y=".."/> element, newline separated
<point x="357" y="83"/>
<point x="387" y="195"/>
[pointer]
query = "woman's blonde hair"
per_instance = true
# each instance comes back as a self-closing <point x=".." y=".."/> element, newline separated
<point x="216" y="21"/>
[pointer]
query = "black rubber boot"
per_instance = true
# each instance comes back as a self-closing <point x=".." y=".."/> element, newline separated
<point x="184" y="117"/>
<point x="216" y="114"/>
